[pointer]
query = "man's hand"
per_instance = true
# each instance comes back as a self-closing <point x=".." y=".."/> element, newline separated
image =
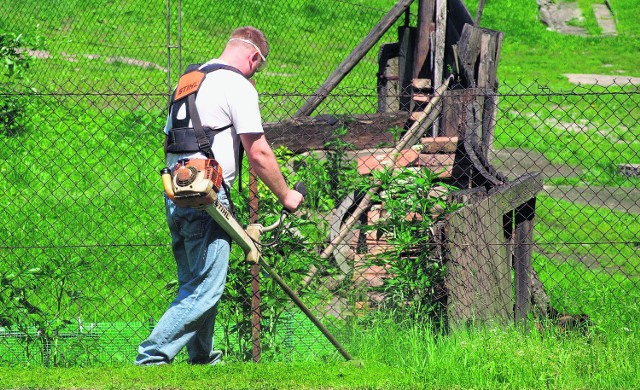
<point x="292" y="200"/>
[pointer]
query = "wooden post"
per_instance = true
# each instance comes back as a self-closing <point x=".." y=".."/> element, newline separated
<point x="441" y="32"/>
<point x="426" y="10"/>
<point x="352" y="60"/>
<point x="256" y="314"/>
<point x="523" y="241"/>
<point x="406" y="64"/>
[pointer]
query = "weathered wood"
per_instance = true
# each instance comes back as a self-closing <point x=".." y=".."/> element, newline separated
<point x="406" y="36"/>
<point x="312" y="133"/>
<point x="478" y="280"/>
<point x="352" y="60"/>
<point x="426" y="9"/>
<point x="471" y="168"/>
<point x="490" y="110"/>
<point x="522" y="248"/>
<point x="455" y="103"/>
<point x="475" y="55"/>
<point x="517" y="192"/>
<point x="466" y="196"/>
<point x="440" y="34"/>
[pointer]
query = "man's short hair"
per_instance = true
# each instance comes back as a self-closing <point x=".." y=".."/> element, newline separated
<point x="254" y="35"/>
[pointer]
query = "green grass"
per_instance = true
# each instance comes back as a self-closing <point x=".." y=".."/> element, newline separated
<point x="392" y="356"/>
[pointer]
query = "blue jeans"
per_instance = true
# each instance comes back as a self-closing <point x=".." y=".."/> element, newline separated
<point x="201" y="250"/>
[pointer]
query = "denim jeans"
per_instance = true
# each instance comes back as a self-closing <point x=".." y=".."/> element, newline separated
<point x="201" y="250"/>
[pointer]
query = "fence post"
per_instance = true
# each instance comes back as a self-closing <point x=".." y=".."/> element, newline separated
<point x="256" y="314"/>
<point x="522" y="247"/>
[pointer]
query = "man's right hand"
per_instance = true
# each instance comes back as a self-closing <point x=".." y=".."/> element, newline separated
<point x="292" y="200"/>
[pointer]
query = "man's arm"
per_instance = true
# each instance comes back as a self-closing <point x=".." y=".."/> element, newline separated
<point x="264" y="163"/>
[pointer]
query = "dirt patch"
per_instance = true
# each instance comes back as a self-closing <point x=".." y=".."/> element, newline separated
<point x="43" y="54"/>
<point x="515" y="162"/>
<point x="591" y="262"/>
<point x="614" y="198"/>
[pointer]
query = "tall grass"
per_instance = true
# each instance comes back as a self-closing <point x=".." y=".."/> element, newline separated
<point x="396" y="355"/>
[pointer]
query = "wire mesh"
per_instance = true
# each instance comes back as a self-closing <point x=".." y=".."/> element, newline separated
<point x="86" y="264"/>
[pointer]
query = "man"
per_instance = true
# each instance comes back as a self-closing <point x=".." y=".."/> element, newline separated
<point x="226" y="100"/>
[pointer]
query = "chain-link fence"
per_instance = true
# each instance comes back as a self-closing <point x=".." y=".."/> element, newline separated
<point x="478" y="207"/>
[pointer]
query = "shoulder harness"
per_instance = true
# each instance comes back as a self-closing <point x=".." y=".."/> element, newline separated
<point x="182" y="137"/>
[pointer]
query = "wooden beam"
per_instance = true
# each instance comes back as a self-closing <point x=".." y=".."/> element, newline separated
<point x="352" y="60"/>
<point x="522" y="247"/>
<point x="478" y="282"/>
<point x="426" y="10"/>
<point x="312" y="133"/>
<point x="441" y="31"/>
<point x="518" y="192"/>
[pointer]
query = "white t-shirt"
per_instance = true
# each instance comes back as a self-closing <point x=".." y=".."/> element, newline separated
<point x="225" y="97"/>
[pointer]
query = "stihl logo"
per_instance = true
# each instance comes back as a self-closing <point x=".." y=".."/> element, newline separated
<point x="187" y="88"/>
<point x="188" y="84"/>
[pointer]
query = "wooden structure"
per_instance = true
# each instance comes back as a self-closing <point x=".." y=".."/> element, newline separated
<point x="438" y="81"/>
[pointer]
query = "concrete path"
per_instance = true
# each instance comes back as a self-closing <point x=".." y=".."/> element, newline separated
<point x="562" y="17"/>
<point x="605" y="19"/>
<point x="601" y="79"/>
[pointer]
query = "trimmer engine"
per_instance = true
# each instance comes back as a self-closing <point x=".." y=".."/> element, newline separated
<point x="195" y="183"/>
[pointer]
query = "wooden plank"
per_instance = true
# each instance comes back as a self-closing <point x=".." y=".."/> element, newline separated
<point x="518" y="192"/>
<point x="454" y="108"/>
<point x="522" y="248"/>
<point x="426" y="10"/>
<point x="441" y="30"/>
<point x="352" y="60"/>
<point x="479" y="52"/>
<point x="489" y="113"/>
<point x="479" y="281"/>
<point x="406" y="36"/>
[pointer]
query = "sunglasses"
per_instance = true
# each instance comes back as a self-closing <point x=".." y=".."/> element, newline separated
<point x="263" y="64"/>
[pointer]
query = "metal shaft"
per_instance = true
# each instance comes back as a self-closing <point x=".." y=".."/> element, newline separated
<point x="294" y="297"/>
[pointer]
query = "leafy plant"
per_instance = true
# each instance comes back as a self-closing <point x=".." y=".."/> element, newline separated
<point x="413" y="203"/>
<point x="15" y="61"/>
<point x="34" y="303"/>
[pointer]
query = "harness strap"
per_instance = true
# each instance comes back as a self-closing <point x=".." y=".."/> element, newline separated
<point x="203" y="142"/>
